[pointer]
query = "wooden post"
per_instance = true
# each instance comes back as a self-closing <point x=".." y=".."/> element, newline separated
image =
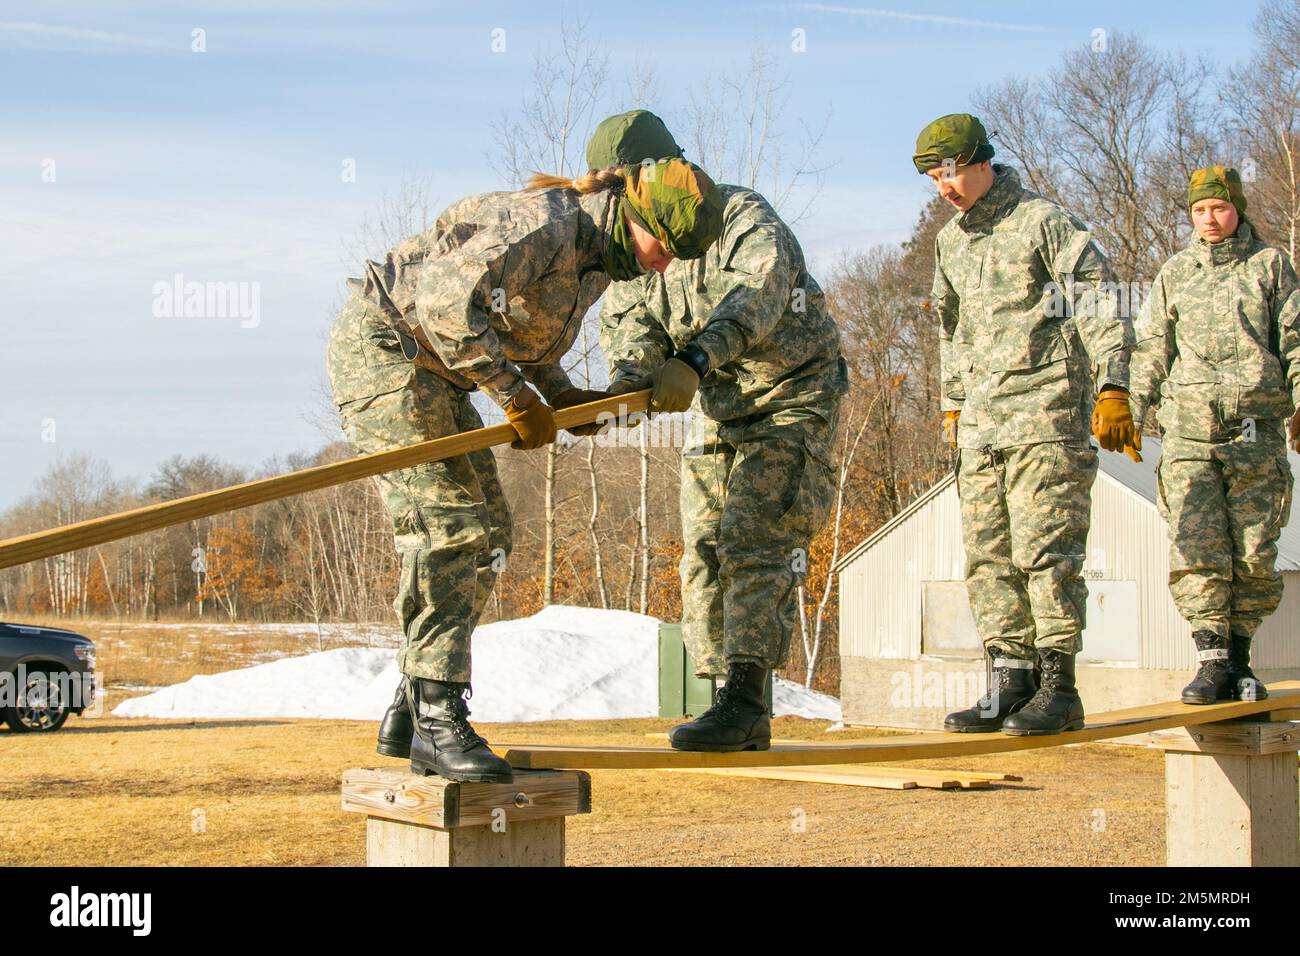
<point x="1231" y="794"/>
<point x="430" y="821"/>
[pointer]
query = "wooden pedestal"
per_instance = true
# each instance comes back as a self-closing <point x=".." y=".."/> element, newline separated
<point x="1231" y="794"/>
<point x="430" y="821"/>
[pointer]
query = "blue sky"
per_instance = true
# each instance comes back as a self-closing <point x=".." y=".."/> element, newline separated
<point x="225" y="166"/>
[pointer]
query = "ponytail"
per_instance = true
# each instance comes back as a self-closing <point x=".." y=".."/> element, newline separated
<point x="595" y="181"/>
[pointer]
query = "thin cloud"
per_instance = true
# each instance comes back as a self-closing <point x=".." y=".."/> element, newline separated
<point x="922" y="17"/>
<point x="76" y="38"/>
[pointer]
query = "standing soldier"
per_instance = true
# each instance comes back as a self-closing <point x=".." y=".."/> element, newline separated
<point x="1221" y="359"/>
<point x="491" y="297"/>
<point x="747" y="328"/>
<point x="1028" y="333"/>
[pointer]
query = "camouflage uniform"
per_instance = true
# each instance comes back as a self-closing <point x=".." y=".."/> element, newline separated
<point x="493" y="295"/>
<point x="1220" y="354"/>
<point x="1028" y="333"/>
<point x="757" y="475"/>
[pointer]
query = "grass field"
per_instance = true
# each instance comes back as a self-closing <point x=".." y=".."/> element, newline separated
<point x="112" y="791"/>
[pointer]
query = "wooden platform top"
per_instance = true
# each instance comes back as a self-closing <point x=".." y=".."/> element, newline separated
<point x="1284" y="695"/>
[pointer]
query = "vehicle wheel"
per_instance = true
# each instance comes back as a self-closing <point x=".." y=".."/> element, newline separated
<point x="40" y="709"/>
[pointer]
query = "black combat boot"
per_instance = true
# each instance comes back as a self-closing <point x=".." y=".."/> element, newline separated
<point x="1011" y="685"/>
<point x="738" y="718"/>
<point x="1245" y="685"/>
<point x="1213" y="681"/>
<point x="395" y="729"/>
<point x="1056" y="707"/>
<point x="444" y="743"/>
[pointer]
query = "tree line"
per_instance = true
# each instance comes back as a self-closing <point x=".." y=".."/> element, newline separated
<point x="1112" y="134"/>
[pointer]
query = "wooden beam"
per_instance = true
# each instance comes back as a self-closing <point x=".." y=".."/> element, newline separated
<point x="413" y="820"/>
<point x="84" y="534"/>
<point x="1117" y="723"/>
<point x="1231" y="795"/>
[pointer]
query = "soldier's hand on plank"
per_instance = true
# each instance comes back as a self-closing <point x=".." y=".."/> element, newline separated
<point x="675" y="384"/>
<point x="532" y="420"/>
<point x="1295" y="431"/>
<point x="1112" y="423"/>
<point x="624" y="385"/>
<point x="581" y="396"/>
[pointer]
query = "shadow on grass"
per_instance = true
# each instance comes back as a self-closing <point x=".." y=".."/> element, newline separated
<point x="77" y="729"/>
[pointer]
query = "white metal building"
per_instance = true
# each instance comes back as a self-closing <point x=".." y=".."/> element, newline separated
<point x="909" y="650"/>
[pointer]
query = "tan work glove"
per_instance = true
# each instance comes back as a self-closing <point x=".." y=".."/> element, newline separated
<point x="675" y="384"/>
<point x="1112" y="423"/>
<point x="950" y="426"/>
<point x="581" y="396"/>
<point x="1295" y="431"/>
<point x="532" y="420"/>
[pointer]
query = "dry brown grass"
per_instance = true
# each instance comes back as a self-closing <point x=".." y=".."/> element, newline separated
<point x="132" y="657"/>
<point x="113" y="791"/>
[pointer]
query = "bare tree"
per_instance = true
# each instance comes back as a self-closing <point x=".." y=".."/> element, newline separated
<point x="736" y="131"/>
<point x="1113" y="134"/>
<point x="549" y="132"/>
<point x="1262" y="98"/>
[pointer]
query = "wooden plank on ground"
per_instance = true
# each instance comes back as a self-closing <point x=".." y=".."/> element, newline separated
<point x="1284" y="695"/>
<point x="834" y="775"/>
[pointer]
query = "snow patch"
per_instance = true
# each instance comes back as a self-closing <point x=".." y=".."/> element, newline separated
<point x="563" y="663"/>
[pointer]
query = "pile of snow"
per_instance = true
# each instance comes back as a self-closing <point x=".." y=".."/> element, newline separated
<point x="563" y="663"/>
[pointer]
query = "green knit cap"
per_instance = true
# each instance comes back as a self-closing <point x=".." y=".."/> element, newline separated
<point x="630" y="138"/>
<point x="1217" y="182"/>
<point x="677" y="202"/>
<point x="957" y="136"/>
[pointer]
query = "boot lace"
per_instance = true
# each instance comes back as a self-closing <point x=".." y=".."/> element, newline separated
<point x="460" y="720"/>
<point x="726" y="703"/>
<point x="995" y="679"/>
<point x="1049" y="667"/>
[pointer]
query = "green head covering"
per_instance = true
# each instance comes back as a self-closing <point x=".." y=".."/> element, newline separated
<point x="677" y="202"/>
<point x="1216" y="182"/>
<point x="630" y="138"/>
<point x="620" y="254"/>
<point x="673" y="200"/>
<point x="957" y="136"/>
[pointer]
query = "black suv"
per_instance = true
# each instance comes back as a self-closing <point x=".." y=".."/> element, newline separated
<point x="46" y="673"/>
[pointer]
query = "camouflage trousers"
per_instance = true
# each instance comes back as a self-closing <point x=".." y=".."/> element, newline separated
<point x="1025" y="512"/>
<point x="451" y="522"/>
<point x="1226" y="504"/>
<point x="754" y="492"/>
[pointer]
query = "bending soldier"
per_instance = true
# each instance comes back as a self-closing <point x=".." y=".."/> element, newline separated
<point x="491" y="297"/>
<point x="746" y="328"/>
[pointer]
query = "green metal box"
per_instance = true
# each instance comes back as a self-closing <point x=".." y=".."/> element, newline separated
<point x="681" y="693"/>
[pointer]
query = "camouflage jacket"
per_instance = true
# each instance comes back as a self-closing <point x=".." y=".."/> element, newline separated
<point x="749" y="303"/>
<point x="1029" y="328"/>
<point x="496" y="291"/>
<point x="1219" y="339"/>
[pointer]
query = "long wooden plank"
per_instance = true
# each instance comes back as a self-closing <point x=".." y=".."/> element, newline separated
<point x="1116" y="723"/>
<point x="84" y="534"/>
<point x="830" y="775"/>
<point x="968" y="774"/>
<point x="961" y="776"/>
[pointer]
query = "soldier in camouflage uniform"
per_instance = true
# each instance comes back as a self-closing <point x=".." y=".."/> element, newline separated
<point x="1219" y="355"/>
<point x="1028" y="332"/>
<point x="747" y="328"/>
<point x="491" y="297"/>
